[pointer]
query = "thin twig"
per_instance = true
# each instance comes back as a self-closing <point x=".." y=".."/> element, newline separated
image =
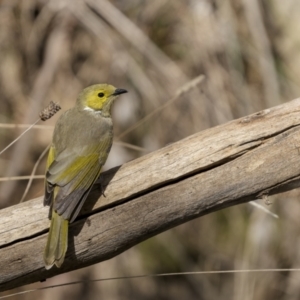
<point x="14" y="141"/>
<point x="130" y="146"/>
<point x="261" y="207"/>
<point x="152" y="276"/>
<point x="32" y="176"/>
<point x="17" y="126"/>
<point x="191" y="84"/>
<point x="21" y="177"/>
<point x="44" y="115"/>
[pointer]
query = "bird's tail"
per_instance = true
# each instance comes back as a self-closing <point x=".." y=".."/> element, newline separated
<point x="57" y="242"/>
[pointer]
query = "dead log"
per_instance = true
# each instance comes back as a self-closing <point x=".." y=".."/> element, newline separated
<point x="242" y="160"/>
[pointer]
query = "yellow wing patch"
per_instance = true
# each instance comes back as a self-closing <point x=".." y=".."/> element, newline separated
<point x="78" y="172"/>
<point x="80" y="167"/>
<point x="51" y="157"/>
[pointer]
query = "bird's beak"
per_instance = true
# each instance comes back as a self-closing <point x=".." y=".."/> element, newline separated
<point x="119" y="92"/>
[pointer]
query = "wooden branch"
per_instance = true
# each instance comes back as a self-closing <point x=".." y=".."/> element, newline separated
<point x="242" y="160"/>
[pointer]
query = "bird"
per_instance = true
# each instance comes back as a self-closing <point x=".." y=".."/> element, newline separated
<point x="81" y="142"/>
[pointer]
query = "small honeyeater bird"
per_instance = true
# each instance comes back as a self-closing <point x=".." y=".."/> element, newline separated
<point x="81" y="142"/>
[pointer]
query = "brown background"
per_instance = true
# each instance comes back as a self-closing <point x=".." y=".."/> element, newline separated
<point x="249" y="52"/>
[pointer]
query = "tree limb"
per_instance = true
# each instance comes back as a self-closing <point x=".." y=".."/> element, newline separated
<point x="239" y="161"/>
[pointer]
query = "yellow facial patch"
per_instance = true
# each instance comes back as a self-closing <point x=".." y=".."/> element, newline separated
<point x="96" y="96"/>
<point x="96" y="99"/>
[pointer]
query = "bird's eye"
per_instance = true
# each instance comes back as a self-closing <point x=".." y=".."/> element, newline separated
<point x="100" y="95"/>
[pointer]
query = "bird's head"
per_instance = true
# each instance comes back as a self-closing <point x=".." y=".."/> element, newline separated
<point x="98" y="98"/>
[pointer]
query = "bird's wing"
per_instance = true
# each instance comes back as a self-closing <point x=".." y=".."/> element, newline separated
<point x="73" y="172"/>
<point x="48" y="187"/>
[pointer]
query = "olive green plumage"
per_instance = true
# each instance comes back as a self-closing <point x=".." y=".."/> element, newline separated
<point x="81" y="142"/>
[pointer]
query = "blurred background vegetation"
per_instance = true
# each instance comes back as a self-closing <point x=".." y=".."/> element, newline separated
<point x="248" y="51"/>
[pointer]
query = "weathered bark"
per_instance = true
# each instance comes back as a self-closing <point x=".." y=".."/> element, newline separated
<point x="242" y="160"/>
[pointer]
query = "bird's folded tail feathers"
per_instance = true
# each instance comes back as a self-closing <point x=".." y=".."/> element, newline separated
<point x="57" y="242"/>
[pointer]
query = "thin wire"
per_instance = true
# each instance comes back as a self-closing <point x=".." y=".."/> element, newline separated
<point x="153" y="275"/>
